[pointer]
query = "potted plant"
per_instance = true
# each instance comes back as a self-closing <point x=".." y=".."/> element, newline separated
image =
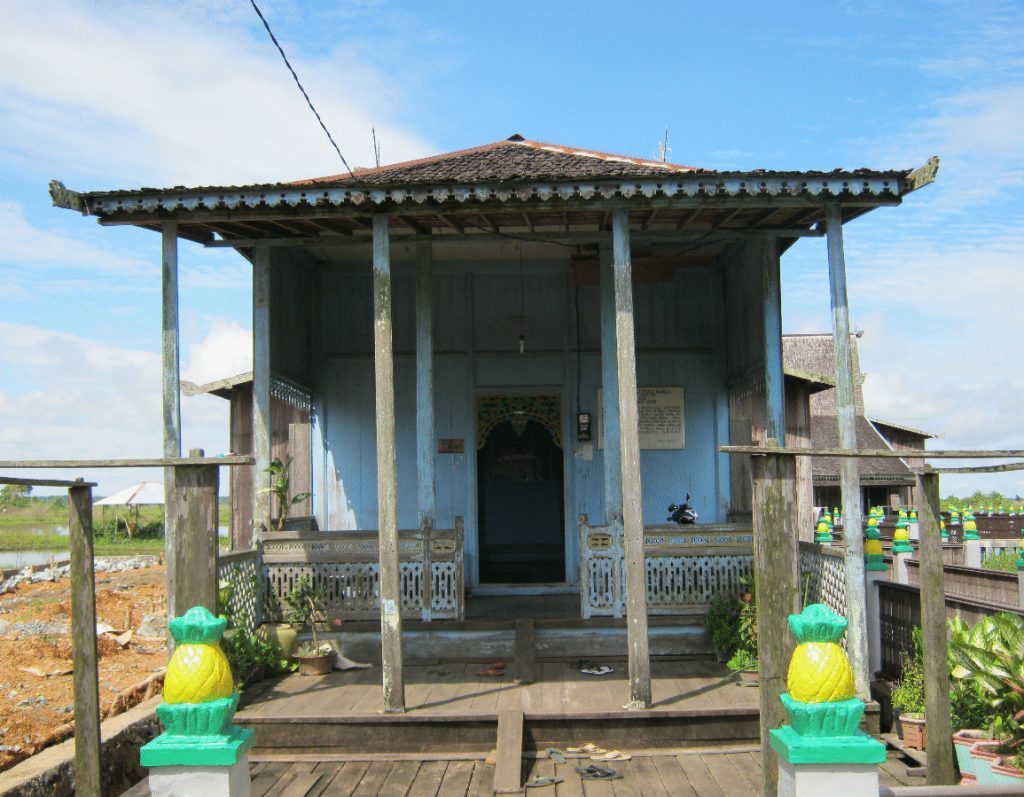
<point x="993" y="657"/>
<point x="722" y="625"/>
<point x="969" y="706"/>
<point x="908" y="697"/>
<point x="745" y="663"/>
<point x="306" y="603"/>
<point x="280" y="485"/>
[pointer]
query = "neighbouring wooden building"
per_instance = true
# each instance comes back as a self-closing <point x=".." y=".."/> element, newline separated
<point x="884" y="482"/>
<point x="514" y="358"/>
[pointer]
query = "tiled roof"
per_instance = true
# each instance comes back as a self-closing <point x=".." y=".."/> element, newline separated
<point x="515" y="159"/>
<point x="825" y="434"/>
<point x="816" y="354"/>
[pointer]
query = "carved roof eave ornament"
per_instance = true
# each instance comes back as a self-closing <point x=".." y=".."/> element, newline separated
<point x="884" y="187"/>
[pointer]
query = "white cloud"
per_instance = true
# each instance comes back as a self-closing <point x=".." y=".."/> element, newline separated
<point x="159" y="94"/>
<point x="226" y="350"/>
<point x="68" y="397"/>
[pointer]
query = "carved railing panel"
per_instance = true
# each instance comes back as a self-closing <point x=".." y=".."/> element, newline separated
<point x="685" y="566"/>
<point x="241" y="570"/>
<point x="345" y="564"/>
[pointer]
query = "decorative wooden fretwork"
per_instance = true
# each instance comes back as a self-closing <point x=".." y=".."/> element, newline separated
<point x="518" y="410"/>
<point x="345" y="564"/>
<point x="291" y="394"/>
<point x="684" y="567"/>
<point x="241" y="571"/>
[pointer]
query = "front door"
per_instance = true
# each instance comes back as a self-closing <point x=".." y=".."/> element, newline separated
<point x="521" y="507"/>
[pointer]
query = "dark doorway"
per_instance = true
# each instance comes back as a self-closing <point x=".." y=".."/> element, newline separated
<point x="520" y="500"/>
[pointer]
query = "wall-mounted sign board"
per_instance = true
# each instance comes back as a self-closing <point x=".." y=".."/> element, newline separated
<point x="661" y="418"/>
<point x="451" y="445"/>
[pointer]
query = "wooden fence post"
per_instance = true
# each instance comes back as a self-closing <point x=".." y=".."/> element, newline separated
<point x="195" y="530"/>
<point x="777" y="567"/>
<point x="933" y="631"/>
<point x="83" y="642"/>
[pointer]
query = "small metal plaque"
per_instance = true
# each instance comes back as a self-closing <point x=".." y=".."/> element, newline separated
<point x="451" y="445"/>
<point x="442" y="545"/>
<point x="599" y="542"/>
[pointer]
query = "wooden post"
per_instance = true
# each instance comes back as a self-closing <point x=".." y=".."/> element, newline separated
<point x="774" y="386"/>
<point x="610" y="409"/>
<point x="171" y="387"/>
<point x="300" y="477"/>
<point x="632" y="496"/>
<point x="195" y="525"/>
<point x="261" y="391"/>
<point x="83" y="642"/>
<point x="426" y="442"/>
<point x="387" y="473"/>
<point x="933" y="632"/>
<point x="777" y="565"/>
<point x="849" y="474"/>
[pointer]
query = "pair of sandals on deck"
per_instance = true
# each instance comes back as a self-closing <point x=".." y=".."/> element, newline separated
<point x="495" y="669"/>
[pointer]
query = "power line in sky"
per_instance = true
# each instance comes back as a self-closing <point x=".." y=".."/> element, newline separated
<point x="298" y="83"/>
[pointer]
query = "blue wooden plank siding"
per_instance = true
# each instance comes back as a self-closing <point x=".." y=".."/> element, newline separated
<point x="680" y="333"/>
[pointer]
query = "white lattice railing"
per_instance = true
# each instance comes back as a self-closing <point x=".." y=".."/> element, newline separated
<point x="686" y="566"/>
<point x="240" y="569"/>
<point x="825" y="568"/>
<point x="345" y="565"/>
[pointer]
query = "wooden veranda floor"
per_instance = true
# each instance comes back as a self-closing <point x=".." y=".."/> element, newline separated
<point x="559" y="688"/>
<point x="687" y="774"/>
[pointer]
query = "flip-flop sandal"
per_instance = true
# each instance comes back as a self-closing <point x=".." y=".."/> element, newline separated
<point x="584" y="751"/>
<point x="612" y="755"/>
<point x="555" y="754"/>
<point x="543" y="781"/>
<point x="598" y="773"/>
<point x="601" y="669"/>
<point x="491" y="672"/>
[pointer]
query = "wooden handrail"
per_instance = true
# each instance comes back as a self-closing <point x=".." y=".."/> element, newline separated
<point x="153" y="462"/>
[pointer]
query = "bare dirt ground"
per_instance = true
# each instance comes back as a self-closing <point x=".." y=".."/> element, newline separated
<point x="36" y="691"/>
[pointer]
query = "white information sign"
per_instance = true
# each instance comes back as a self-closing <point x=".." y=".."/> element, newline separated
<point x="661" y="418"/>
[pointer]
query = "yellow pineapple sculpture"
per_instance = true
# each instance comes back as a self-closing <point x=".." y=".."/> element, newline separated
<point x="198" y="671"/>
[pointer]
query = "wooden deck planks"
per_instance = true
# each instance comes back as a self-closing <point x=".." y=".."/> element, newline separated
<point x="457" y="778"/>
<point x="340" y="780"/>
<point x="428" y="779"/>
<point x="401" y="777"/>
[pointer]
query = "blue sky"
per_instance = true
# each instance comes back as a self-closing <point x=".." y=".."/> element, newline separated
<point x="118" y="95"/>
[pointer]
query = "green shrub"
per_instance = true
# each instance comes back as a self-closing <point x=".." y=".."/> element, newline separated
<point x="908" y="694"/>
<point x="722" y="624"/>
<point x="743" y="660"/>
<point x="1006" y="560"/>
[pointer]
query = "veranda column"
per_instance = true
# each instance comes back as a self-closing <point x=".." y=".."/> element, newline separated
<point x="849" y="474"/>
<point x="171" y="382"/>
<point x="933" y="632"/>
<point x="610" y="406"/>
<point x="774" y="387"/>
<point x="632" y="497"/>
<point x="387" y="473"/>
<point x="261" y="390"/>
<point x="776" y="562"/>
<point x="426" y="445"/>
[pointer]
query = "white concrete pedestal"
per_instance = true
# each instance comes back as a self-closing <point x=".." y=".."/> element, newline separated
<point x="815" y="780"/>
<point x="972" y="553"/>
<point x="201" y="781"/>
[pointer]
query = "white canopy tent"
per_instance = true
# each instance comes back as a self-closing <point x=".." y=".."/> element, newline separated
<point x="143" y="493"/>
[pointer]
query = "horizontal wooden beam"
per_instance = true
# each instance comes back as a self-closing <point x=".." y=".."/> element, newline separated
<point x="155" y="462"/>
<point x="46" y="482"/>
<point x="978" y="469"/>
<point x="873" y="453"/>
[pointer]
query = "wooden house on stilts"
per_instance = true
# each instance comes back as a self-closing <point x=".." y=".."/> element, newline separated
<point x="514" y="358"/>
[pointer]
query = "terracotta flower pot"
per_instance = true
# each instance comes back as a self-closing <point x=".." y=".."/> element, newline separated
<point x="316" y="664"/>
<point x="1004" y="773"/>
<point x="914" y="733"/>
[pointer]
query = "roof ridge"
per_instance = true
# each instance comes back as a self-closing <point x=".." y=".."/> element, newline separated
<point x="514" y="140"/>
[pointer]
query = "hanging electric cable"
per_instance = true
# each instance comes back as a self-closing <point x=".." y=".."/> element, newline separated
<point x="298" y="83"/>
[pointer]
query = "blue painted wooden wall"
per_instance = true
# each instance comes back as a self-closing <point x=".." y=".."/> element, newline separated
<point x="680" y="329"/>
